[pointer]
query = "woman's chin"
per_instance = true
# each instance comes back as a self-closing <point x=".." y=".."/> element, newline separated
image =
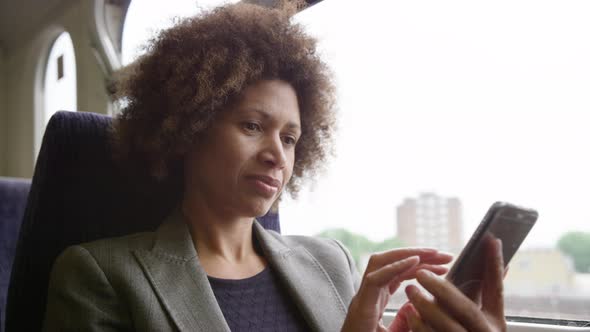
<point x="259" y="209"/>
<point x="254" y="206"/>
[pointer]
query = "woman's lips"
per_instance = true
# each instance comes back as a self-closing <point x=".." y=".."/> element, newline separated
<point x="265" y="185"/>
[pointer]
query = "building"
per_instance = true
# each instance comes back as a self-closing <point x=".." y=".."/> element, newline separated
<point x="432" y="221"/>
<point x="541" y="271"/>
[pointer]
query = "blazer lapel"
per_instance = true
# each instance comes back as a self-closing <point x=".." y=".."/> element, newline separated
<point x="307" y="282"/>
<point x="181" y="284"/>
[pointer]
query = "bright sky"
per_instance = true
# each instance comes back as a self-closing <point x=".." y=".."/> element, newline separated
<point x="483" y="101"/>
<point x="147" y="17"/>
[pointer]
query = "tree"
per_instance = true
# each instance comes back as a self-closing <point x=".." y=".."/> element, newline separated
<point x="577" y="246"/>
<point x="359" y="245"/>
<point x="389" y="243"/>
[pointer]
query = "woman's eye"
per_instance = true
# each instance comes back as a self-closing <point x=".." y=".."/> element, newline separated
<point x="289" y="140"/>
<point x="251" y="126"/>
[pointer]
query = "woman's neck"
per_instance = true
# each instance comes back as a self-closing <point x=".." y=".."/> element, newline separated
<point x="224" y="243"/>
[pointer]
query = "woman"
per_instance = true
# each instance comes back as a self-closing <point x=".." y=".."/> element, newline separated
<point x="236" y="106"/>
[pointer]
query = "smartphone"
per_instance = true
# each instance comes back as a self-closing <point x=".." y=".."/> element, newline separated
<point x="505" y="221"/>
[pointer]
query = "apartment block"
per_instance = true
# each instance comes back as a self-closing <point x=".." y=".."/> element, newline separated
<point x="431" y="220"/>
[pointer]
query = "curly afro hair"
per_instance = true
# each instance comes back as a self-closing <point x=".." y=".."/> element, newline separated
<point x="197" y="68"/>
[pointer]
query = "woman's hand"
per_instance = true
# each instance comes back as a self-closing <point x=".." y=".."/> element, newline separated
<point x="382" y="278"/>
<point x="449" y="310"/>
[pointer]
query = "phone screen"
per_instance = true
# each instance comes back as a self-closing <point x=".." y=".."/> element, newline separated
<point x="505" y="221"/>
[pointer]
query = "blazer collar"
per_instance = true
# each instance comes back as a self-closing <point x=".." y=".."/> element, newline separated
<point x="181" y="284"/>
<point x="178" y="279"/>
<point x="308" y="284"/>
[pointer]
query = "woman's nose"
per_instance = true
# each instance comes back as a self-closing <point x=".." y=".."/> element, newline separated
<point x="273" y="154"/>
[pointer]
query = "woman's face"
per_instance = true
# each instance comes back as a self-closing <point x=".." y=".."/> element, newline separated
<point x="246" y="158"/>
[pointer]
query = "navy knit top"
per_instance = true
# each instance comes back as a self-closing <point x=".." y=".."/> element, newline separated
<point x="258" y="303"/>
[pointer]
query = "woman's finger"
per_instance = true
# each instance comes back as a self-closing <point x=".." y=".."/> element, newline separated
<point x="411" y="274"/>
<point x="378" y="260"/>
<point x="385" y="275"/>
<point x="493" y="288"/>
<point x="452" y="301"/>
<point x="368" y="304"/>
<point x="373" y="283"/>
<point x="416" y="324"/>
<point x="430" y="312"/>
<point x="438" y="258"/>
<point x="436" y="269"/>
<point x="400" y="322"/>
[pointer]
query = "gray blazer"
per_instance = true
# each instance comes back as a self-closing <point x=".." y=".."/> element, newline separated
<point x="154" y="282"/>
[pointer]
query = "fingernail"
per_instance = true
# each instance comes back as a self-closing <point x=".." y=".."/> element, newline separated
<point x="411" y="258"/>
<point x="425" y="274"/>
<point x="446" y="254"/>
<point x="412" y="291"/>
<point x="428" y="252"/>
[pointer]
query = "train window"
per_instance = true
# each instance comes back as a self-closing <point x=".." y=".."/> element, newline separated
<point x="60" y="78"/>
<point x="446" y="107"/>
